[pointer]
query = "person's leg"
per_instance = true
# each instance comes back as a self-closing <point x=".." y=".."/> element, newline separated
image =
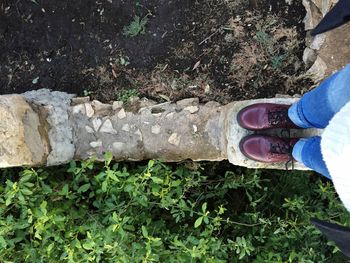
<point x="317" y="107"/>
<point x="308" y="152"/>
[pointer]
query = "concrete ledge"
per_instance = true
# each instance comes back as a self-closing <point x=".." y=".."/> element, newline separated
<point x="49" y="128"/>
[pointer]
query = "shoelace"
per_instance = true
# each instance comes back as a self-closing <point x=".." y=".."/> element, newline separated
<point x="277" y="117"/>
<point x="284" y="148"/>
<point x="280" y="148"/>
<point x="291" y="159"/>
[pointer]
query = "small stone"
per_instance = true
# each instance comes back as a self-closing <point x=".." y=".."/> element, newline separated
<point x="96" y="104"/>
<point x="170" y="115"/>
<point x="117" y="105"/>
<point x="174" y="139"/>
<point x="79" y="100"/>
<point x="134" y="99"/>
<point x="107" y="127"/>
<point x="96" y="144"/>
<point x="121" y="114"/>
<point x="78" y="109"/>
<point x="157" y="114"/>
<point x="155" y="129"/>
<point x="207" y="89"/>
<point x="138" y="132"/>
<point x="89" y="110"/>
<point x="144" y="102"/>
<point x="126" y="127"/>
<point x="195" y="128"/>
<point x="101" y="107"/>
<point x="309" y="56"/>
<point x="212" y="104"/>
<point x="143" y="110"/>
<point x="118" y="146"/>
<point x="318" y="69"/>
<point x="318" y="42"/>
<point x="192" y="109"/>
<point x="89" y="129"/>
<point x="96" y="123"/>
<point x="188" y="102"/>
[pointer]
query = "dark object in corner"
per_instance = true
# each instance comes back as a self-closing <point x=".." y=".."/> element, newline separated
<point x="339" y="234"/>
<point x="339" y="15"/>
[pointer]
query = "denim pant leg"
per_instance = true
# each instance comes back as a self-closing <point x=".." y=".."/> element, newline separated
<point x="318" y="106"/>
<point x="308" y="152"/>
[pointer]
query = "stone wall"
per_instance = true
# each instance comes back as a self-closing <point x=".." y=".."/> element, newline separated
<point x="49" y="128"/>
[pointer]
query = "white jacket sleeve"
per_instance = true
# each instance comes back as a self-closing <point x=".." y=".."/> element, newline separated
<point x="335" y="148"/>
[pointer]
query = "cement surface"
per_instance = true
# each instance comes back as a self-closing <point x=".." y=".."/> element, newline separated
<point x="167" y="131"/>
<point x="59" y="132"/>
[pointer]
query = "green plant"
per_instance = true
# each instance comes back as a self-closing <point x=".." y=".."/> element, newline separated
<point x="152" y="212"/>
<point x="123" y="60"/>
<point x="125" y="95"/>
<point x="272" y="49"/>
<point x="87" y="92"/>
<point x="137" y="26"/>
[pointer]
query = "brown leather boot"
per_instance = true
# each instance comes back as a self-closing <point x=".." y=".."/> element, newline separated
<point x="267" y="149"/>
<point x="261" y="116"/>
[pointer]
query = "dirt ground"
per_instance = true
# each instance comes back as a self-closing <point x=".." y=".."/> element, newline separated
<point x="219" y="50"/>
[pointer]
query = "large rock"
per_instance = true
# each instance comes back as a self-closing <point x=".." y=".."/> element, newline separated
<point x="23" y="133"/>
<point x="328" y="52"/>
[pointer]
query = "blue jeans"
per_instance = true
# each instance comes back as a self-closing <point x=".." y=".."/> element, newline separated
<point x="314" y="110"/>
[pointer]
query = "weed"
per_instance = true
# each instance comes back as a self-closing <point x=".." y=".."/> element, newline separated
<point x="123" y="60"/>
<point x="87" y="92"/>
<point x="125" y="95"/>
<point x="136" y="27"/>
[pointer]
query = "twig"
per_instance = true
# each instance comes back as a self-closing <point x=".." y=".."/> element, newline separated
<point x="209" y="37"/>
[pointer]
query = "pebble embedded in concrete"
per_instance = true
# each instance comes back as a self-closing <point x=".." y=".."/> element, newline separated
<point x="170" y="115"/>
<point x="155" y="129"/>
<point x="89" y="110"/>
<point x="100" y="107"/>
<point x="96" y="144"/>
<point x="96" y="123"/>
<point x="107" y="127"/>
<point x="192" y="109"/>
<point x="138" y="132"/>
<point x="174" y="139"/>
<point x="188" y="102"/>
<point x="126" y="127"/>
<point x="121" y="114"/>
<point x="78" y="109"/>
<point x="89" y="129"/>
<point x="79" y="100"/>
<point x="117" y="105"/>
<point x="118" y="146"/>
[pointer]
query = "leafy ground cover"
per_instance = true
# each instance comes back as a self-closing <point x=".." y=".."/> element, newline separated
<point x="122" y="212"/>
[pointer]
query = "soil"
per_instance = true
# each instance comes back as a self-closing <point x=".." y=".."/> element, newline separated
<point x="219" y="50"/>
